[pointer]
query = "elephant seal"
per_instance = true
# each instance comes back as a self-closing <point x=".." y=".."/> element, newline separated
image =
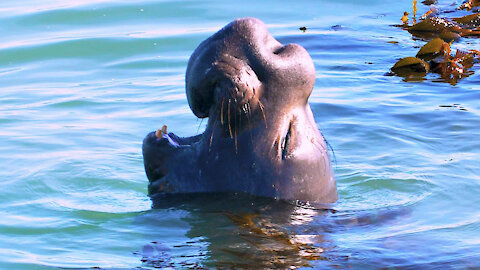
<point x="261" y="137"/>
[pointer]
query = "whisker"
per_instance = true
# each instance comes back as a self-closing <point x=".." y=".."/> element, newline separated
<point x="228" y="117"/>
<point x="211" y="136"/>
<point x="331" y="148"/>
<point x="263" y="112"/>
<point x="236" y="144"/>
<point x="239" y="122"/>
<point x="235" y="131"/>
<point x="221" y="112"/>
<point x="249" y="124"/>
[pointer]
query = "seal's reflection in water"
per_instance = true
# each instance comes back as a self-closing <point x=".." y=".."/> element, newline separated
<point x="239" y="231"/>
<point x="243" y="231"/>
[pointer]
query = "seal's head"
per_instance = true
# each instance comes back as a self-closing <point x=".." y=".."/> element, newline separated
<point x="243" y="64"/>
<point x="261" y="137"/>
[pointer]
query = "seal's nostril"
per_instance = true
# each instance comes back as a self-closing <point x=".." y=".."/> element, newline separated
<point x="279" y="50"/>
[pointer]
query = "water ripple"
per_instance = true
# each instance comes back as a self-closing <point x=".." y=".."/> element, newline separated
<point x="84" y="81"/>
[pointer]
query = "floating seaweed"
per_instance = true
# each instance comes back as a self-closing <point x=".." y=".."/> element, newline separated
<point x="441" y="25"/>
<point x="430" y="13"/>
<point x="470" y="4"/>
<point x="431" y="25"/>
<point x="453" y="68"/>
<point x="472" y="20"/>
<point x="410" y="65"/>
<point x="436" y="56"/>
<point x="429" y="2"/>
<point x="414" y="11"/>
<point x="405" y="18"/>
<point x="434" y="48"/>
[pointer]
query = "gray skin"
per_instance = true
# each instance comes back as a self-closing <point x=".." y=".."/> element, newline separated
<point x="261" y="137"/>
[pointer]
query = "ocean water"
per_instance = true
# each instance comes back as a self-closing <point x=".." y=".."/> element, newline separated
<point x="82" y="82"/>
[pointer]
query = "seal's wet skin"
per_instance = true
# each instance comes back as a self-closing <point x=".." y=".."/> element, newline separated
<point x="261" y="137"/>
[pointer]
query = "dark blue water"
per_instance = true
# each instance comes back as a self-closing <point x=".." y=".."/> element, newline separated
<point x="82" y="82"/>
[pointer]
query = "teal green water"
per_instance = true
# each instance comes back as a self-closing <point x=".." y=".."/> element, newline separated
<point x="82" y="82"/>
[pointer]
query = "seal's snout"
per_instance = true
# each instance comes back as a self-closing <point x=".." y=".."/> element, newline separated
<point x="234" y="64"/>
<point x="271" y="60"/>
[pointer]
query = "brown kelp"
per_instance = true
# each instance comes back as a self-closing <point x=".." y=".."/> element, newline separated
<point x="436" y="55"/>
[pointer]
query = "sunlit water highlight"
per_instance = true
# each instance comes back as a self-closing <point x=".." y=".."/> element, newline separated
<point x="83" y="82"/>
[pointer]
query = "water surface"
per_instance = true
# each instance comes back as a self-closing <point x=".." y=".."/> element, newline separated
<point x="82" y="82"/>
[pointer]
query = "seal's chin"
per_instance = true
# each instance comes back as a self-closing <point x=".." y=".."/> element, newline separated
<point x="158" y="146"/>
<point x="154" y="151"/>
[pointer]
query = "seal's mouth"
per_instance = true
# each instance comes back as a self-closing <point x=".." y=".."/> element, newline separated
<point x="158" y="146"/>
<point x="163" y="134"/>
